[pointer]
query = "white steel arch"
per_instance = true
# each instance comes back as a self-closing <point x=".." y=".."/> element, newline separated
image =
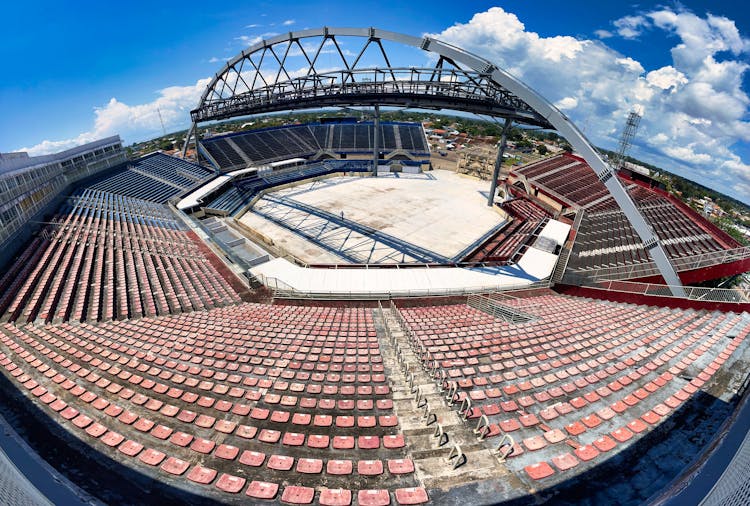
<point x="519" y="102"/>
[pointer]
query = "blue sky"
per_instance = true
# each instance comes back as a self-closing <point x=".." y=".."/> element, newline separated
<point x="71" y="74"/>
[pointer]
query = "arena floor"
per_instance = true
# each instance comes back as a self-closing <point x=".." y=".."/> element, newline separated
<point x="431" y="217"/>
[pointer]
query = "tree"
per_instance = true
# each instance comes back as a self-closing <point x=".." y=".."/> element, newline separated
<point x="542" y="149"/>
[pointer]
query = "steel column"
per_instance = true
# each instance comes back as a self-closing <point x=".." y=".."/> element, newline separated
<point x="516" y="100"/>
<point x="376" y="142"/>
<point x="499" y="161"/>
<point x="190" y="132"/>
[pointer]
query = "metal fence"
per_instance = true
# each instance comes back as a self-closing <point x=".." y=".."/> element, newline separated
<point x="283" y="290"/>
<point x="728" y="295"/>
<point x="493" y="307"/>
<point x="680" y="264"/>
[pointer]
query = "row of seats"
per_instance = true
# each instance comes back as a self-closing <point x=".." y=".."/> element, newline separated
<point x="107" y="256"/>
<point x="541" y="167"/>
<point x="254" y="399"/>
<point x="583" y="381"/>
<point x="605" y="238"/>
<point x="509" y="242"/>
<point x="156" y="177"/>
<point x="173" y="170"/>
<point x="238" y="195"/>
<point x="268" y="145"/>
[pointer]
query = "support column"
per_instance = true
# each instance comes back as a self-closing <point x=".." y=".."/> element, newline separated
<point x="189" y="135"/>
<point x="197" y="153"/>
<point x="376" y="142"/>
<point x="499" y="160"/>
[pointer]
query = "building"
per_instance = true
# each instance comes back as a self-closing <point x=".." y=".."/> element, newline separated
<point x="29" y="183"/>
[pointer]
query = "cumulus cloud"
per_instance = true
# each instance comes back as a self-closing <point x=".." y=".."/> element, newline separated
<point x="288" y="22"/>
<point x="695" y="110"/>
<point x="630" y="27"/>
<point x="116" y="117"/>
<point x="251" y="40"/>
<point x="566" y="103"/>
<point x="666" y="78"/>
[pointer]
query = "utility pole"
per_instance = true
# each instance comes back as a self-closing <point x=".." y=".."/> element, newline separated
<point x="164" y="130"/>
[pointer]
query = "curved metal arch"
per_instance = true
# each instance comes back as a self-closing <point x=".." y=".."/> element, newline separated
<point x="410" y="87"/>
<point x="541" y="107"/>
<point x="240" y="87"/>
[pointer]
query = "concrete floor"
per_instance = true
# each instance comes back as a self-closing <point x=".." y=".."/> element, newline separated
<point x="438" y="211"/>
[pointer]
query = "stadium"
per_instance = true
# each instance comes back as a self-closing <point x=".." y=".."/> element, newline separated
<point x="314" y="313"/>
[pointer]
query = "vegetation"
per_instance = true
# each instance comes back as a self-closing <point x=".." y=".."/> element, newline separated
<point x="525" y="139"/>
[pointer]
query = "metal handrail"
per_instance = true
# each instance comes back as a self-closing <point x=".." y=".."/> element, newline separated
<point x="282" y="290"/>
<point x="681" y="264"/>
<point x="696" y="293"/>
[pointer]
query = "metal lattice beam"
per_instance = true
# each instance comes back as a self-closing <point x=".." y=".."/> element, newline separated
<point x="471" y="84"/>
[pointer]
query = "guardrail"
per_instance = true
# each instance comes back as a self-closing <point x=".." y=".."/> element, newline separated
<point x="681" y="264"/>
<point x="697" y="293"/>
<point x="496" y="309"/>
<point x="283" y="290"/>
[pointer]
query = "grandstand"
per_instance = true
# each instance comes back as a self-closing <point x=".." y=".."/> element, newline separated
<point x="107" y="256"/>
<point x="511" y="241"/>
<point x="156" y="177"/>
<point x="29" y="185"/>
<point x="263" y="146"/>
<point x="145" y="361"/>
<point x="607" y="245"/>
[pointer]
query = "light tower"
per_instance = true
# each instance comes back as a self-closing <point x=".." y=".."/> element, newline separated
<point x="628" y="134"/>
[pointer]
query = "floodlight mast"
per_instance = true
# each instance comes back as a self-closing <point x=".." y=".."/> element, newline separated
<point x="471" y="84"/>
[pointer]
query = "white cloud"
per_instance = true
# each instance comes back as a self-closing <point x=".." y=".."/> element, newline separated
<point x="630" y="27"/>
<point x="695" y="109"/>
<point x="254" y="25"/>
<point x="666" y="78"/>
<point x="566" y="103"/>
<point x="288" y="22"/>
<point x="603" y="34"/>
<point x="687" y="154"/>
<point x="248" y="40"/>
<point x="134" y="121"/>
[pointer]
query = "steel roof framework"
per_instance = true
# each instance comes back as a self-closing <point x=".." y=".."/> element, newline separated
<point x="262" y="79"/>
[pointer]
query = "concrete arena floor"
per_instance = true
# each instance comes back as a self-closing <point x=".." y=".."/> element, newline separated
<point x="439" y="211"/>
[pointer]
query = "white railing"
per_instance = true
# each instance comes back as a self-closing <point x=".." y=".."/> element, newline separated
<point x="696" y="293"/>
<point x="496" y="309"/>
<point x="680" y="264"/>
<point x="282" y="290"/>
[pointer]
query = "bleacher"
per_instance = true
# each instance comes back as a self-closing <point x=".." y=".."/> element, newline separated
<point x="526" y="220"/>
<point x="260" y="402"/>
<point x="605" y="238"/>
<point x="582" y="382"/>
<point x="279" y="143"/>
<point x="239" y="193"/>
<point x="108" y="256"/>
<point x="156" y="178"/>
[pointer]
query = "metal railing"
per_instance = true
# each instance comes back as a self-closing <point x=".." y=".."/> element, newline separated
<point x="680" y="264"/>
<point x="496" y="309"/>
<point x="283" y="290"/>
<point x="696" y="293"/>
